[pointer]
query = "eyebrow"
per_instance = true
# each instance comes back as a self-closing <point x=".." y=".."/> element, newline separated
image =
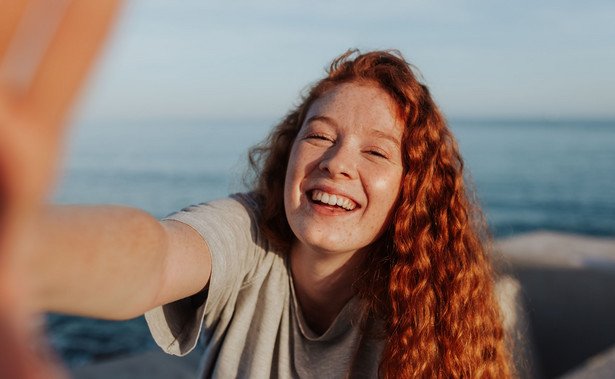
<point x="386" y="136"/>
<point x="325" y="119"/>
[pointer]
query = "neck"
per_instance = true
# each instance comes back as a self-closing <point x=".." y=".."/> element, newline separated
<point x="323" y="284"/>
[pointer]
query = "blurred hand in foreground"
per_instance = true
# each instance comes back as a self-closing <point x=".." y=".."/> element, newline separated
<point x="46" y="49"/>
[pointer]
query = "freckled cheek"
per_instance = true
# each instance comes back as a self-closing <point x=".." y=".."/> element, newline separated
<point x="293" y="169"/>
<point x="383" y="186"/>
<point x="300" y="164"/>
<point x="383" y="190"/>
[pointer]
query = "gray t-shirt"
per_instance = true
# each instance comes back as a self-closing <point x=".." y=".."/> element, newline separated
<point x="251" y="324"/>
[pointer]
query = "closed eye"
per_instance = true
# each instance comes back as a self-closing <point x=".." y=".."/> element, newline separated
<point x="319" y="137"/>
<point x="378" y="154"/>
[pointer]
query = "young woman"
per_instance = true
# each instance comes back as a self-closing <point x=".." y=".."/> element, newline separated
<point x="357" y="254"/>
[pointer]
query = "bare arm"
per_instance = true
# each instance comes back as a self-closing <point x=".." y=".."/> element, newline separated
<point x="46" y="48"/>
<point x="113" y="262"/>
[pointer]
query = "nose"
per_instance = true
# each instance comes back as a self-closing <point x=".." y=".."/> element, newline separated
<point x="339" y="161"/>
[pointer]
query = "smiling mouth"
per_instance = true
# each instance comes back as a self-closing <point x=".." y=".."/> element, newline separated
<point x="331" y="200"/>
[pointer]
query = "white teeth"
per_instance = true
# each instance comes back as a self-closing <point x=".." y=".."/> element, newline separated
<point x="330" y="199"/>
<point x="325" y="198"/>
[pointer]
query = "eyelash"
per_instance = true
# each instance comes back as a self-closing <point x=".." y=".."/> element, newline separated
<point x="378" y="154"/>
<point x="319" y="136"/>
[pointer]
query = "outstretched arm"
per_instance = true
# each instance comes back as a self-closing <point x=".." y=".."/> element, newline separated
<point x="58" y="258"/>
<point x="111" y="261"/>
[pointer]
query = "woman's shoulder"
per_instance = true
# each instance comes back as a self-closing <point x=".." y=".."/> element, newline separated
<point x="239" y="209"/>
<point x="250" y="200"/>
<point x="230" y="226"/>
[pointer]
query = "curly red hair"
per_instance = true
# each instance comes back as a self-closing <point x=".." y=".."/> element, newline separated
<point x="429" y="278"/>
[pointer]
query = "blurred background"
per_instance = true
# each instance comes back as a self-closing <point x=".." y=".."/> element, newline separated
<point x="185" y="88"/>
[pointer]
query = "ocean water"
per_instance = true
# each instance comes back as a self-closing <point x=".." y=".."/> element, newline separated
<point x="542" y="175"/>
<point x="529" y="175"/>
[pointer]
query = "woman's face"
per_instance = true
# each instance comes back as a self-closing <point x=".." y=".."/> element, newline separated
<point x="345" y="169"/>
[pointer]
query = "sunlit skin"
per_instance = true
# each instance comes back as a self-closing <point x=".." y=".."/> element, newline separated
<point x="348" y="146"/>
<point x="46" y="50"/>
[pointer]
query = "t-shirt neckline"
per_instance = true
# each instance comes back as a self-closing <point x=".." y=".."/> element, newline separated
<point x="341" y="324"/>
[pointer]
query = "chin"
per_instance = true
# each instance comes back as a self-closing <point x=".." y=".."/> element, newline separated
<point x="330" y="246"/>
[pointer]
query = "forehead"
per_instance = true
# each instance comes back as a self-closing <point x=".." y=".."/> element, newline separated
<point x="358" y="104"/>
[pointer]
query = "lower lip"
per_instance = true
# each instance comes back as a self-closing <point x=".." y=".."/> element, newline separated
<point x="328" y="210"/>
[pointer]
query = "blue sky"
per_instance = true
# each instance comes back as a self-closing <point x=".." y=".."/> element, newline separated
<point x="248" y="59"/>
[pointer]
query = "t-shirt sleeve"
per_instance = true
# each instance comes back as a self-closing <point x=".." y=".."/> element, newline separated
<point x="228" y="227"/>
